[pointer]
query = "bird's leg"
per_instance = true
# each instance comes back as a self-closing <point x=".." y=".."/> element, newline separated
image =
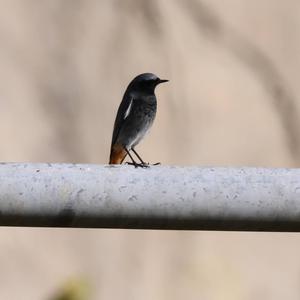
<point x="134" y="163"/>
<point x="138" y="157"/>
<point x="145" y="164"/>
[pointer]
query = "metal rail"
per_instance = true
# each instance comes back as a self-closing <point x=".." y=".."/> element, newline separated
<point x="159" y="197"/>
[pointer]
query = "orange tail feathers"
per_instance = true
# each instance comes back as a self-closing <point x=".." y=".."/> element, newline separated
<point x="117" y="155"/>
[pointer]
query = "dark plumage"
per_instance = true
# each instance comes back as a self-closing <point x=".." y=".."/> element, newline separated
<point x="135" y="116"/>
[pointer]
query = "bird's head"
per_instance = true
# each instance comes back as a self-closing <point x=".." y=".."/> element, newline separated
<point x="145" y="83"/>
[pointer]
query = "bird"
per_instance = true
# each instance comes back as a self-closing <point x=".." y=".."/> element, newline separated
<point x="134" y="118"/>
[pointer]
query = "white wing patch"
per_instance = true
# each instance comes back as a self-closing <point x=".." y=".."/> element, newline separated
<point x="127" y="112"/>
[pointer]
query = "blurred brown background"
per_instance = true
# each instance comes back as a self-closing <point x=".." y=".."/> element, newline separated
<point x="233" y="99"/>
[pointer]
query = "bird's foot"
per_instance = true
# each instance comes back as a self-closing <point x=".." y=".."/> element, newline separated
<point x="156" y="164"/>
<point x="136" y="165"/>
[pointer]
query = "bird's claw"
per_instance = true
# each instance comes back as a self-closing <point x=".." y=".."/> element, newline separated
<point x="136" y="165"/>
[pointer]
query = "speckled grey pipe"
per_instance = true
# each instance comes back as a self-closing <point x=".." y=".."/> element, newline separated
<point x="160" y="197"/>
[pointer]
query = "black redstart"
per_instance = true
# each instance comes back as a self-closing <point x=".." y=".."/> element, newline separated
<point x="135" y="116"/>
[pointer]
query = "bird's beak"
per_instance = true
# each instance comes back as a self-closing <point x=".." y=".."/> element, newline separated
<point x="163" y="80"/>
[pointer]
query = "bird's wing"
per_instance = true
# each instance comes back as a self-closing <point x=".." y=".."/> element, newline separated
<point x="123" y="112"/>
<point x="128" y="110"/>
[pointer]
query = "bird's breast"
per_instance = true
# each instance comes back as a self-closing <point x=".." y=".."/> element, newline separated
<point x="143" y="115"/>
